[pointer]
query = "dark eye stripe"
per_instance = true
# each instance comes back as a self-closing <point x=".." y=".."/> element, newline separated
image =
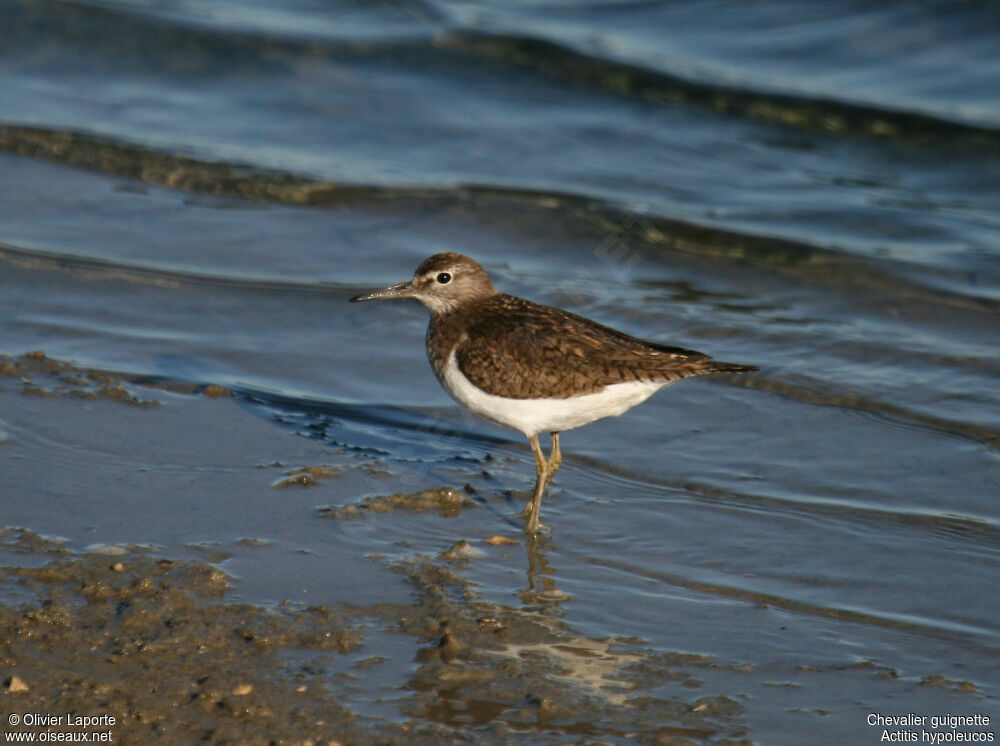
<point x="444" y="278"/>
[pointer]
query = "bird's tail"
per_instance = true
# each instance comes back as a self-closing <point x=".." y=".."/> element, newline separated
<point x="717" y="366"/>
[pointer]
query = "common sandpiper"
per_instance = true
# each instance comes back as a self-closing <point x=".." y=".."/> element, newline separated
<point x="531" y="367"/>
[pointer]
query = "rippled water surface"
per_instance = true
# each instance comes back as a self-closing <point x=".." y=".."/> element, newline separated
<point x="190" y="192"/>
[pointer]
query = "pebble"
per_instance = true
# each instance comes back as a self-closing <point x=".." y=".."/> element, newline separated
<point x="460" y="550"/>
<point x="497" y="539"/>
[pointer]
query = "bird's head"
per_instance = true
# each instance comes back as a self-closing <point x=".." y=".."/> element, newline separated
<point x="443" y="283"/>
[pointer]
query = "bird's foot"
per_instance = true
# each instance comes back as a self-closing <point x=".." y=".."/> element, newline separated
<point x="537" y="529"/>
<point x="534" y="526"/>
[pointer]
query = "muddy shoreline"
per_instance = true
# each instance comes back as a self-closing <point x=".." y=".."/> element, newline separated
<point x="162" y="646"/>
<point x="154" y="644"/>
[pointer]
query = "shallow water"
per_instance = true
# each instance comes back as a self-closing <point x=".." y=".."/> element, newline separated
<point x="191" y="194"/>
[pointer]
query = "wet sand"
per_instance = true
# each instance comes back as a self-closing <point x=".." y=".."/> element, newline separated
<point x="222" y="641"/>
<point x="156" y="645"/>
<point x="158" y="642"/>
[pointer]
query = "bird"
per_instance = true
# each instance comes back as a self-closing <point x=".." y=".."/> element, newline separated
<point x="531" y="367"/>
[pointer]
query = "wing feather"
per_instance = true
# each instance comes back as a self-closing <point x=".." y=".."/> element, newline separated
<point x="549" y="353"/>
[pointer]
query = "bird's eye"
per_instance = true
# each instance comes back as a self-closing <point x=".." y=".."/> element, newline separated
<point x="444" y="278"/>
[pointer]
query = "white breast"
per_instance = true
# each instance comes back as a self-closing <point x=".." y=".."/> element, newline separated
<point x="544" y="415"/>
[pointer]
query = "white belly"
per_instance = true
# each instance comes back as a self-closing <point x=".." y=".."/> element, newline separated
<point x="544" y="415"/>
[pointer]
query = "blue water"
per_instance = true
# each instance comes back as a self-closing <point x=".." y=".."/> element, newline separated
<point x="813" y="188"/>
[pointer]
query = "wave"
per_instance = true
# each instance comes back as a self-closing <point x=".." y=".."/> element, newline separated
<point x="806" y="391"/>
<point x="823" y="114"/>
<point x="150" y="274"/>
<point x="657" y="233"/>
<point x="166" y="44"/>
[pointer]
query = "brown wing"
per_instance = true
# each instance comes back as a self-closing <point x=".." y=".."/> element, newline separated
<point x="521" y="350"/>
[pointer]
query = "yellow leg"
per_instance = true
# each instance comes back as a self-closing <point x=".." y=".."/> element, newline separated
<point x="544" y="471"/>
<point x="555" y="459"/>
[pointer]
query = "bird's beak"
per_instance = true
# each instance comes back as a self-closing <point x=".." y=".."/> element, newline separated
<point x="402" y="290"/>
